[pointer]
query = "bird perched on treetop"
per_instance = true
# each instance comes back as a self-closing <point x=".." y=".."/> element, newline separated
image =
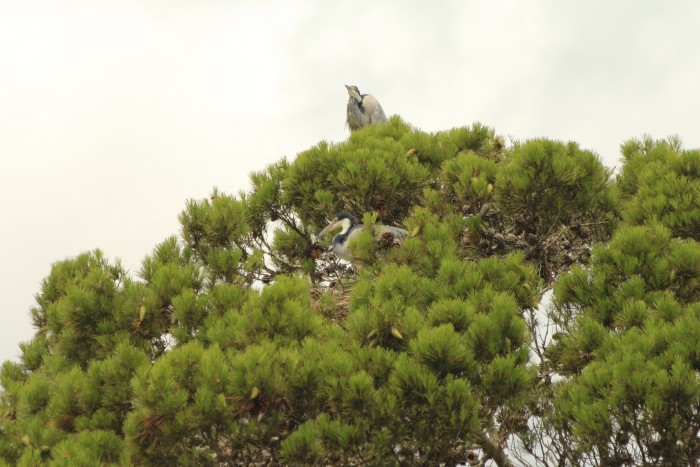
<point x="363" y="109"/>
<point x="350" y="229"/>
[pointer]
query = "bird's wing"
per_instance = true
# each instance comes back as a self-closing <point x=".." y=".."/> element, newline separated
<point x="373" y="109"/>
<point x="398" y="233"/>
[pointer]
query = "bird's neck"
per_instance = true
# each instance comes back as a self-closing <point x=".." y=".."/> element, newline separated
<point x="340" y="238"/>
<point x="346" y="225"/>
<point x="359" y="101"/>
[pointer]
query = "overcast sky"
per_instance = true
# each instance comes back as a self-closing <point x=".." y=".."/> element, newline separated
<point x="113" y="114"/>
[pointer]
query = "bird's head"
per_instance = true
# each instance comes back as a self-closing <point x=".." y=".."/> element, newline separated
<point x="343" y="221"/>
<point x="354" y="93"/>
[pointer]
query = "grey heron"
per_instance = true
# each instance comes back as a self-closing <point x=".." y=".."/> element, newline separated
<point x="385" y="235"/>
<point x="363" y="109"/>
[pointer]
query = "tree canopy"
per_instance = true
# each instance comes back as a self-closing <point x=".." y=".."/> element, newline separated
<point x="244" y="341"/>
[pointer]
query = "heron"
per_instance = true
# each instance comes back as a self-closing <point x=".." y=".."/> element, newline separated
<point x="385" y="235"/>
<point x="363" y="109"/>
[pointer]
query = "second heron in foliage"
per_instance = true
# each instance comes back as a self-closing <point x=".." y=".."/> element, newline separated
<point x="363" y="109"/>
<point x="350" y="229"/>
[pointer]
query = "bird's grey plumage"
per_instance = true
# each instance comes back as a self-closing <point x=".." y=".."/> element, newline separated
<point x="350" y="229"/>
<point x="363" y="109"/>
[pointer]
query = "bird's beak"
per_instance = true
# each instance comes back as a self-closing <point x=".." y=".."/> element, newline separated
<point x="333" y="225"/>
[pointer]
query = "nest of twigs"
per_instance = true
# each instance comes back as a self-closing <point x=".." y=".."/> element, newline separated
<point x="333" y="300"/>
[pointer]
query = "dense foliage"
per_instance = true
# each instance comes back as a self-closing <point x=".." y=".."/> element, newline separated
<point x="246" y="342"/>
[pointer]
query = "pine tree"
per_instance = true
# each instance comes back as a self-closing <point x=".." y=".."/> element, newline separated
<point x="629" y="323"/>
<point x="246" y="342"/>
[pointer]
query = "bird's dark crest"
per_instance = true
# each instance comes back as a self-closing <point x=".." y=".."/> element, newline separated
<point x="345" y="215"/>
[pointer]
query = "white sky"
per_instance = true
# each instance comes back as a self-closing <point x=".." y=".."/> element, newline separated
<point x="113" y="114"/>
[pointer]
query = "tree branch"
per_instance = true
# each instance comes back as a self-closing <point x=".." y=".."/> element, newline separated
<point x="494" y="451"/>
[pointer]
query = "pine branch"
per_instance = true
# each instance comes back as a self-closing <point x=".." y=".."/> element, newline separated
<point x="494" y="451"/>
